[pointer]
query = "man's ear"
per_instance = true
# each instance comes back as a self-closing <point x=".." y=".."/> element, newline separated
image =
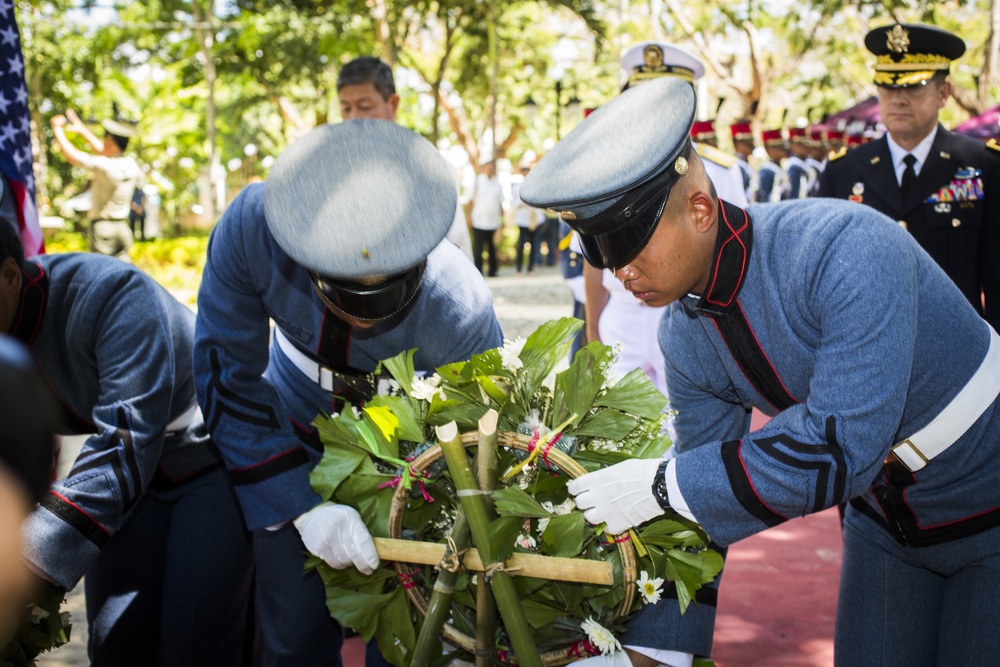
<point x="945" y="94"/>
<point x="394" y="104"/>
<point x="703" y="210"/>
<point x="10" y="275"/>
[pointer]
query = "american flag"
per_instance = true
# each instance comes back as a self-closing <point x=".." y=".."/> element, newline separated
<point x="15" y="135"/>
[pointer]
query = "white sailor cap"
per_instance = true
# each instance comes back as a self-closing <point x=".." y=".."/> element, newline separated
<point x="119" y="128"/>
<point x="649" y="60"/>
<point x="610" y="177"/>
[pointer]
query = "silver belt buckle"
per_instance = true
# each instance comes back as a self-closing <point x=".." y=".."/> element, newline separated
<point x="325" y="378"/>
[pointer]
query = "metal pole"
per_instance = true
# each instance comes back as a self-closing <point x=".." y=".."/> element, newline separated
<point x="558" y="109"/>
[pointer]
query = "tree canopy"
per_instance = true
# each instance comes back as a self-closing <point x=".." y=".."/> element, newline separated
<point x="229" y="84"/>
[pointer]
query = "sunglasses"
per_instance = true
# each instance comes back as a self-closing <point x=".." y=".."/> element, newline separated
<point x="369" y="303"/>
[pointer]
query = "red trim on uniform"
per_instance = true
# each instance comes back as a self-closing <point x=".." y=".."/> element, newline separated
<point x="734" y="234"/>
<point x="80" y="510"/>
<point x="266" y="461"/>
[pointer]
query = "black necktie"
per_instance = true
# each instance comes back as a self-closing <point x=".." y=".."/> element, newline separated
<point x="908" y="174"/>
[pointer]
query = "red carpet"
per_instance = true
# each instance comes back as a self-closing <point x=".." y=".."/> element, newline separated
<point x="778" y="598"/>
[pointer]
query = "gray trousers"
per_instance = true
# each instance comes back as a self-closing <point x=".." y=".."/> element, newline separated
<point x="111" y="237"/>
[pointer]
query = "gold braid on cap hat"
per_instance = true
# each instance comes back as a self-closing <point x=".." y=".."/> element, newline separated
<point x="911" y="62"/>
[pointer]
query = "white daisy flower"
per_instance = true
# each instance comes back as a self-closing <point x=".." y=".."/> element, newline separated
<point x="37" y="613"/>
<point x="425" y="389"/>
<point x="526" y="541"/>
<point x="600" y="636"/>
<point x="510" y="354"/>
<point x="649" y="587"/>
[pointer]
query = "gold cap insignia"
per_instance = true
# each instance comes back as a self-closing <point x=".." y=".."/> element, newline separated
<point x="565" y="215"/>
<point x="652" y="57"/>
<point x="681" y="165"/>
<point x="365" y="253"/>
<point x="898" y="39"/>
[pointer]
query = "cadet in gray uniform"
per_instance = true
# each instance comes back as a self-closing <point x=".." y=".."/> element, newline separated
<point x="146" y="512"/>
<point x="341" y="249"/>
<point x="880" y="378"/>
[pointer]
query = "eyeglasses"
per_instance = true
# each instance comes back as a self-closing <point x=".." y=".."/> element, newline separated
<point x="370" y="303"/>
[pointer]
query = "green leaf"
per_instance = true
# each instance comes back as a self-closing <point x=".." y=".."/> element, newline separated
<point x="402" y="409"/>
<point x="331" y="471"/>
<point x="635" y="394"/>
<point x="564" y="535"/>
<point x="578" y="385"/>
<point x="362" y="492"/>
<point x="466" y="415"/>
<point x="395" y="633"/>
<point x="513" y="501"/>
<point x="543" y="350"/>
<point x="607" y="424"/>
<point x="503" y="535"/>
<point x="539" y="614"/>
<point x="492" y="389"/>
<point x="673" y="530"/>
<point x="654" y="448"/>
<point x="356" y="610"/>
<point x="386" y="425"/>
<point x="400" y="368"/>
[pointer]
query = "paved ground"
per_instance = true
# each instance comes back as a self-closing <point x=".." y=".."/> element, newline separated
<point x="778" y="595"/>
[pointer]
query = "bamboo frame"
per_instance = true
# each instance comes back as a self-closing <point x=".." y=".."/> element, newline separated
<point x="516" y="441"/>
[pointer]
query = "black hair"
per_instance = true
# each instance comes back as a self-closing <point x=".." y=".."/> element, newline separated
<point x="10" y="243"/>
<point x="120" y="141"/>
<point x="367" y="69"/>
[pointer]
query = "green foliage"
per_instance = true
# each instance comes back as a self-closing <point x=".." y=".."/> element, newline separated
<point x="41" y="628"/>
<point x="369" y="452"/>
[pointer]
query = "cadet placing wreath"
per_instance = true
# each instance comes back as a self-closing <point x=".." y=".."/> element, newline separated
<point x="506" y="568"/>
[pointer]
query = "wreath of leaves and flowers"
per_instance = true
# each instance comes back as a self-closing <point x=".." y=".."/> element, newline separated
<point x="42" y="627"/>
<point x="579" y="408"/>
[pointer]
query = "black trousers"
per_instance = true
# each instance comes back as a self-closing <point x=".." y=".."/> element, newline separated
<point x="481" y="237"/>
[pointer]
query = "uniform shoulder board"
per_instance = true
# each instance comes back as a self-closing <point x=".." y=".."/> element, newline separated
<point x="715" y="155"/>
<point x="993" y="145"/>
<point x="838" y="154"/>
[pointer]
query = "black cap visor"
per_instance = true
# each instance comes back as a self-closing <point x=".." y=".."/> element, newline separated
<point x="611" y="240"/>
<point x="370" y="303"/>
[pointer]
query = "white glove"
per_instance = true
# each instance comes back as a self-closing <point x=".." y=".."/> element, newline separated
<point x="337" y="534"/>
<point x="616" y="659"/>
<point x="620" y="496"/>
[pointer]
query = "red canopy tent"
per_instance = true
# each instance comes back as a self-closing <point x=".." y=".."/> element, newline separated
<point x="985" y="126"/>
<point x="864" y="113"/>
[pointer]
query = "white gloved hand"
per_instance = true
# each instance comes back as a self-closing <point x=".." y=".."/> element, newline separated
<point x="616" y="659"/>
<point x="337" y="534"/>
<point x="620" y="496"/>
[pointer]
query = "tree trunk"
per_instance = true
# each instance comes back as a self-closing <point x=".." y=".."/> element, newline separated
<point x="206" y="46"/>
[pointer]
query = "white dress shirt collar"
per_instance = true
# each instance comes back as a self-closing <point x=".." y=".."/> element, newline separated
<point x="920" y="151"/>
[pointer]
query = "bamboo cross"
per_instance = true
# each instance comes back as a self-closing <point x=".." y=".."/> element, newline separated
<point x="474" y="518"/>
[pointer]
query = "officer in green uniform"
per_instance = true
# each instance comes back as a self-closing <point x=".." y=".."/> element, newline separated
<point x="940" y="186"/>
